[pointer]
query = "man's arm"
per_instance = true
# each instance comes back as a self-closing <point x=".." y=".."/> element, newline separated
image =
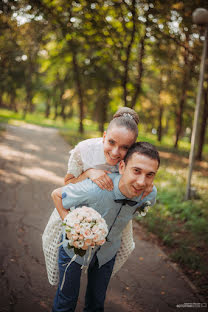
<point x="57" y="199"/>
<point x="71" y="195"/>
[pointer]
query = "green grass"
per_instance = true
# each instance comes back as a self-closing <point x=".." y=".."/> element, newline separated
<point x="10" y="117"/>
<point x="68" y="129"/>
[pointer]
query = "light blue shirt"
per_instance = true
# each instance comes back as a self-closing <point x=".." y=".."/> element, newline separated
<point x="87" y="193"/>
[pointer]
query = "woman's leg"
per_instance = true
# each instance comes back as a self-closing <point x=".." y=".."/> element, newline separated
<point x="98" y="280"/>
<point x="66" y="299"/>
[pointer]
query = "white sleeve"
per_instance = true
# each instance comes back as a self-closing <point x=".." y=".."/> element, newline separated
<point x="75" y="164"/>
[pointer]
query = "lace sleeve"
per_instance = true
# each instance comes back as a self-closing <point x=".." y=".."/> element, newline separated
<point x="75" y="164"/>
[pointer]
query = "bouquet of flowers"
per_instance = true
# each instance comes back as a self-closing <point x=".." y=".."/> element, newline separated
<point x="84" y="228"/>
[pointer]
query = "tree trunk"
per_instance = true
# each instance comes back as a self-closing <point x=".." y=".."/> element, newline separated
<point x="1" y="102"/>
<point x="140" y="71"/>
<point x="79" y="91"/>
<point x="56" y="107"/>
<point x="28" y="101"/>
<point x="29" y="107"/>
<point x="63" y="106"/>
<point x="179" y="122"/>
<point x="13" y="105"/>
<point x="48" y="108"/>
<point x="203" y="126"/>
<point x="128" y="52"/>
<point x="103" y="112"/>
<point x="70" y="113"/>
<point x="159" y="129"/>
<point x="182" y="102"/>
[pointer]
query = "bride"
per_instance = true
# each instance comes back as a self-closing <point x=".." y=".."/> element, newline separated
<point x="94" y="159"/>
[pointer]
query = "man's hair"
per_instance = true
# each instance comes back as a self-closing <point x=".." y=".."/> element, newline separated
<point x="143" y="148"/>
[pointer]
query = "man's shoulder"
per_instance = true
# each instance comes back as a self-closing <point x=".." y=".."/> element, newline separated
<point x="80" y="187"/>
<point x="114" y="176"/>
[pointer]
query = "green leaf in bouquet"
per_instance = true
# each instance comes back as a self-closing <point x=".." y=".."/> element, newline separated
<point x="79" y="252"/>
<point x="69" y="246"/>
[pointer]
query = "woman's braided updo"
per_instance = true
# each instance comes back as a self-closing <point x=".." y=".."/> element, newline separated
<point x="125" y="117"/>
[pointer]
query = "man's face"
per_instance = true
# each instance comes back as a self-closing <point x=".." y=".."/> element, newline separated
<point x="137" y="174"/>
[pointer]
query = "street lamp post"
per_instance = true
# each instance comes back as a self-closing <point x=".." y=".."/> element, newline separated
<point x="200" y="17"/>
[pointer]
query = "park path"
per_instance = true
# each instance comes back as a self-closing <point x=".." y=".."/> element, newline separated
<point x="33" y="162"/>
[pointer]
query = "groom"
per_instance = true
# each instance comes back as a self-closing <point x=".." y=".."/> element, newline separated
<point x="117" y="207"/>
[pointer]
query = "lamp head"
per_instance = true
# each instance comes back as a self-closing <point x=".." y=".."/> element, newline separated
<point x="200" y="16"/>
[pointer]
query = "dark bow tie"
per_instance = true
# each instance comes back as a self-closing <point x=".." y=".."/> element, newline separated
<point x="126" y="202"/>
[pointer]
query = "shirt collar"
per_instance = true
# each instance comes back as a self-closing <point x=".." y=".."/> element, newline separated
<point x="117" y="192"/>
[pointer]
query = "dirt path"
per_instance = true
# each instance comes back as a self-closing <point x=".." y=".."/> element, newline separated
<point x="33" y="162"/>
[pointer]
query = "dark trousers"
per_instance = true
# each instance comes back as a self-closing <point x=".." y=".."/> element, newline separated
<point x="98" y="280"/>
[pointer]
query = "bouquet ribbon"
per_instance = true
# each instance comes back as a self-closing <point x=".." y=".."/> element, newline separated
<point x="72" y="260"/>
<point x="67" y="265"/>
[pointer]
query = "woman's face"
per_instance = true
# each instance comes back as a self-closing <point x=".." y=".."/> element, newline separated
<point x="116" y="142"/>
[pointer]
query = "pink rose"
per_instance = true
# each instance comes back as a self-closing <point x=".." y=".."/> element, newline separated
<point x="87" y="233"/>
<point x="77" y="227"/>
<point x="88" y="242"/>
<point x="81" y="237"/>
<point x="101" y="242"/>
<point x="95" y="229"/>
<point x="75" y="236"/>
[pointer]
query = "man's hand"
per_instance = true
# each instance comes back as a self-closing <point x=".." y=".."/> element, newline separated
<point x="148" y="190"/>
<point x="101" y="178"/>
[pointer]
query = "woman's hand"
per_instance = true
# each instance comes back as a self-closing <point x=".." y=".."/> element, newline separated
<point x="101" y="178"/>
<point x="148" y="190"/>
<point x="68" y="178"/>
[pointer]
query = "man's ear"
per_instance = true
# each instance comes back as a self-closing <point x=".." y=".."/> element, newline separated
<point x="104" y="135"/>
<point x="122" y="167"/>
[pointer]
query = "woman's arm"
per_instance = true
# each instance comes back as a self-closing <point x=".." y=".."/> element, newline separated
<point x="98" y="176"/>
<point x="77" y="174"/>
<point x="57" y="199"/>
<point x="70" y="178"/>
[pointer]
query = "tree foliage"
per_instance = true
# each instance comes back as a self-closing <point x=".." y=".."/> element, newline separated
<point x="87" y="58"/>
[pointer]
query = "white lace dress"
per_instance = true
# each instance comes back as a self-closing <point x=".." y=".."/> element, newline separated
<point x="87" y="154"/>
